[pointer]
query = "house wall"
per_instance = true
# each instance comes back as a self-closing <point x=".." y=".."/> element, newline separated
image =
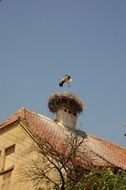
<point x="15" y="153"/>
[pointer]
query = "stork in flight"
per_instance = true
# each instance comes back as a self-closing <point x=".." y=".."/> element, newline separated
<point x="66" y="79"/>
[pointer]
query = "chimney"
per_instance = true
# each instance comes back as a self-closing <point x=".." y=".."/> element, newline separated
<point x="66" y="106"/>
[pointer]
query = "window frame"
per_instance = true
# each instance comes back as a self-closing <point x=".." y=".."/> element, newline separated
<point x="3" y="157"/>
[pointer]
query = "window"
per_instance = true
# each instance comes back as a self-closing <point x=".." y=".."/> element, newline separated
<point x="8" y="161"/>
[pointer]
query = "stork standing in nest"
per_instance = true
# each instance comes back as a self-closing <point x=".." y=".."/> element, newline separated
<point x="66" y="79"/>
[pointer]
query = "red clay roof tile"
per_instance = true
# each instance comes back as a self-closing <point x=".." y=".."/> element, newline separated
<point x="99" y="151"/>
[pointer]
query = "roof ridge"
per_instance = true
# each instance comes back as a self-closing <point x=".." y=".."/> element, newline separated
<point x="13" y="117"/>
<point x="22" y="112"/>
<point x="107" y="141"/>
<point x="37" y="114"/>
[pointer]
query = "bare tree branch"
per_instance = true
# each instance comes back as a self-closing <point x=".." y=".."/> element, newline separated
<point x="57" y="160"/>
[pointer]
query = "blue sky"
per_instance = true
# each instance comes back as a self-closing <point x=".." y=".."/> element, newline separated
<point x="42" y="40"/>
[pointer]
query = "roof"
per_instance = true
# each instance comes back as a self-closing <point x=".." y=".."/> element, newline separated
<point x="99" y="151"/>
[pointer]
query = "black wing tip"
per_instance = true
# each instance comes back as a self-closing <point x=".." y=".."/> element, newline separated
<point x="61" y="84"/>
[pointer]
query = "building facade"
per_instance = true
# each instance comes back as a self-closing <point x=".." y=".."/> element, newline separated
<point x="17" y="140"/>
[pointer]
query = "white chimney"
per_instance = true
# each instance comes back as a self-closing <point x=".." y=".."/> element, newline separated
<point x="66" y="106"/>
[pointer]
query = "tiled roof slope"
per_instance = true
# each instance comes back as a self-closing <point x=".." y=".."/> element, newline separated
<point x="99" y="151"/>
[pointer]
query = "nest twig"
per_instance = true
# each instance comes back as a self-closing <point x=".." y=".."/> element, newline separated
<point x="65" y="99"/>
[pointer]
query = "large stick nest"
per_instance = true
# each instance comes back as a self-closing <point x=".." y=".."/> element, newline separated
<point x="66" y="99"/>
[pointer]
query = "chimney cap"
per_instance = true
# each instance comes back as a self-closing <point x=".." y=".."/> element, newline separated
<point x="66" y="99"/>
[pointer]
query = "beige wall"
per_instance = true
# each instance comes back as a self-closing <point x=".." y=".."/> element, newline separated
<point x="17" y="154"/>
<point x="14" y="145"/>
